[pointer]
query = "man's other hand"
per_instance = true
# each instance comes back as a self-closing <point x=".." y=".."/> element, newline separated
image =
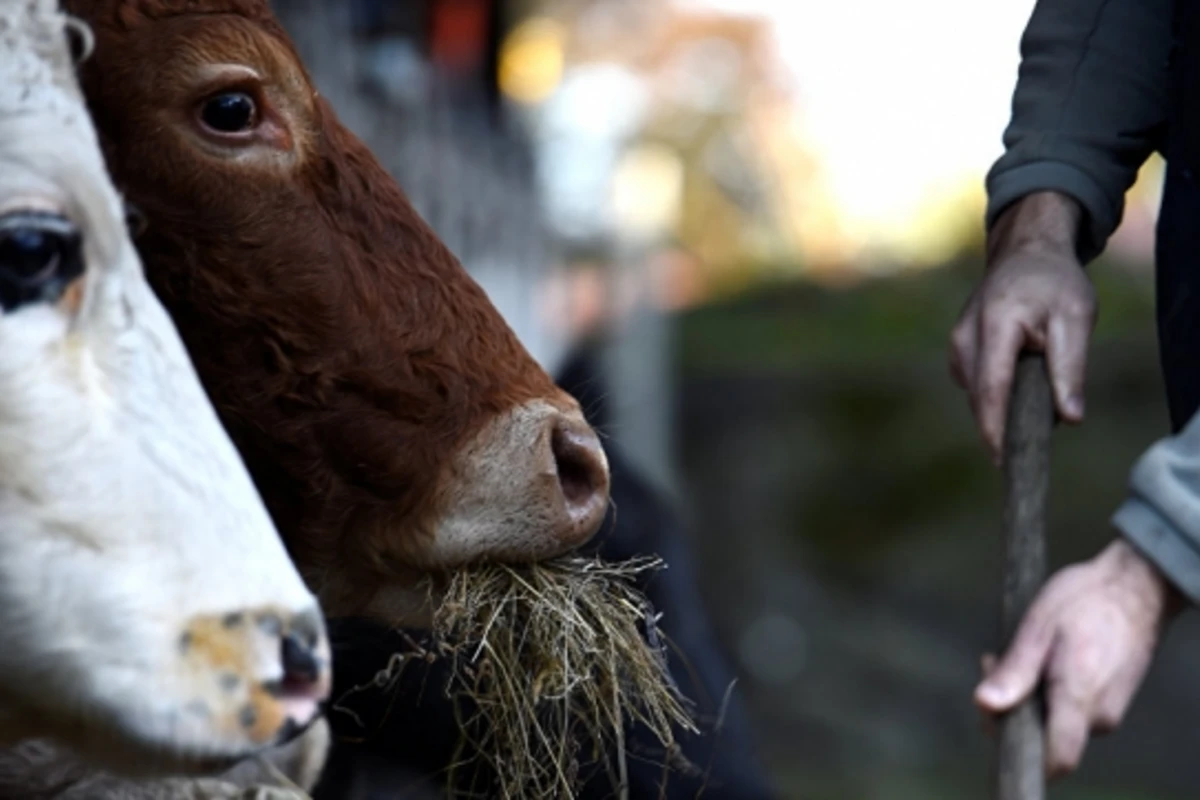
<point x="1089" y="637"/>
<point x="1035" y="295"/>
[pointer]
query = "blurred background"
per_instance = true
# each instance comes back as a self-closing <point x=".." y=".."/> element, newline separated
<point x="766" y="215"/>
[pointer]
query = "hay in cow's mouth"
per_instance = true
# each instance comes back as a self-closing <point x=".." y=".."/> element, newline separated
<point x="547" y="659"/>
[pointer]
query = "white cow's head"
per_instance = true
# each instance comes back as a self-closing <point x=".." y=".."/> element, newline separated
<point x="149" y="613"/>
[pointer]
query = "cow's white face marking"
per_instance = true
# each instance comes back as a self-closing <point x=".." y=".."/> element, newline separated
<point x="149" y="613"/>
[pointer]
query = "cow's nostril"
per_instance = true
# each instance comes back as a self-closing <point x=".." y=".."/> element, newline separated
<point x="576" y="467"/>
<point x="305" y="684"/>
<point x="582" y="474"/>
<point x="301" y="667"/>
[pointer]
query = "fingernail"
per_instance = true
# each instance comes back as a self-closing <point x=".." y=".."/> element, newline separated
<point x="993" y="694"/>
<point x="1075" y="406"/>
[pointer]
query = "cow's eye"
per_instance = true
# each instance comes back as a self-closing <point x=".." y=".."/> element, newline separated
<point x="231" y="112"/>
<point x="40" y="253"/>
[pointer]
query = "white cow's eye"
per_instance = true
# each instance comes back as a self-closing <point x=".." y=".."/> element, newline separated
<point x="37" y="249"/>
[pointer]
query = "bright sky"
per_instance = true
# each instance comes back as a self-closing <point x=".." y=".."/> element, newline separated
<point x="905" y="102"/>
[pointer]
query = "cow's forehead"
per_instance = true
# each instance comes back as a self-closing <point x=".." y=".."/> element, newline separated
<point x="35" y="69"/>
<point x="127" y="13"/>
<point x="48" y="150"/>
<point x="185" y="38"/>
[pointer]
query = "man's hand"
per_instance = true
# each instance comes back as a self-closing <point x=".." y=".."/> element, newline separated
<point x="1034" y="296"/>
<point x="1089" y="636"/>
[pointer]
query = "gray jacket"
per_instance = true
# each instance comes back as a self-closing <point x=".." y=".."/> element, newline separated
<point x="1089" y="108"/>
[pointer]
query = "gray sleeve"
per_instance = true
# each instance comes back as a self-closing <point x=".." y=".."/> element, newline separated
<point x="1161" y="516"/>
<point x="1088" y="109"/>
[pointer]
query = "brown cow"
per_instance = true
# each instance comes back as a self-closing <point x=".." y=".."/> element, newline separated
<point x="391" y="419"/>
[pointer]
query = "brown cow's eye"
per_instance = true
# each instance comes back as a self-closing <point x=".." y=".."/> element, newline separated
<point x="232" y="112"/>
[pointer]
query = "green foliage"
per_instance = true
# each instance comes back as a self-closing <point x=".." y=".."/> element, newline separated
<point x="873" y="477"/>
<point x="779" y="325"/>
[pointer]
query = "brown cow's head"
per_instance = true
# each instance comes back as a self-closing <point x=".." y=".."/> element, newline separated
<point x="391" y="419"/>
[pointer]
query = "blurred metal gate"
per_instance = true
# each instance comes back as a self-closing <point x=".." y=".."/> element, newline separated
<point x="474" y="181"/>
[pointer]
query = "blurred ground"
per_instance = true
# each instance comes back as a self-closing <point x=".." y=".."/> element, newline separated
<point x="848" y="525"/>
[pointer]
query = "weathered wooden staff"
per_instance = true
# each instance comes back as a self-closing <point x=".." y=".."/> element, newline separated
<point x="1020" y="772"/>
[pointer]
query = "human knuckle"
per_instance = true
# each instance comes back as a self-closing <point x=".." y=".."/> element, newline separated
<point x="996" y="317"/>
<point x="959" y="344"/>
<point x="960" y="334"/>
<point x="1078" y="308"/>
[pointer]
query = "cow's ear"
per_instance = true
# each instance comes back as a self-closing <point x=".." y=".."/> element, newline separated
<point x="135" y="220"/>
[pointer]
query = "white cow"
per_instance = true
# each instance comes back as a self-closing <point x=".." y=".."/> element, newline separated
<point x="149" y="615"/>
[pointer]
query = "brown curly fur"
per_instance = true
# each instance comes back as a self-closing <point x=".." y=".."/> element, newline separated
<point x="345" y="348"/>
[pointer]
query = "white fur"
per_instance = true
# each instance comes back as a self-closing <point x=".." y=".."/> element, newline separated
<point x="126" y="514"/>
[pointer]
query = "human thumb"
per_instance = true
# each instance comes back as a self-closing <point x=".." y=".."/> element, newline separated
<point x="1016" y="675"/>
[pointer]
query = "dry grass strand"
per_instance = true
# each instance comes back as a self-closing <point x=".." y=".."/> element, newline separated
<point x="550" y="656"/>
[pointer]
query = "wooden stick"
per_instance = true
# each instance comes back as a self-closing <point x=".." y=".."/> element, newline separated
<point x="1020" y="773"/>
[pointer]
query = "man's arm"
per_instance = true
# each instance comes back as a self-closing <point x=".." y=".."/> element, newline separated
<point x="1161" y="516"/>
<point x="1089" y="108"/>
